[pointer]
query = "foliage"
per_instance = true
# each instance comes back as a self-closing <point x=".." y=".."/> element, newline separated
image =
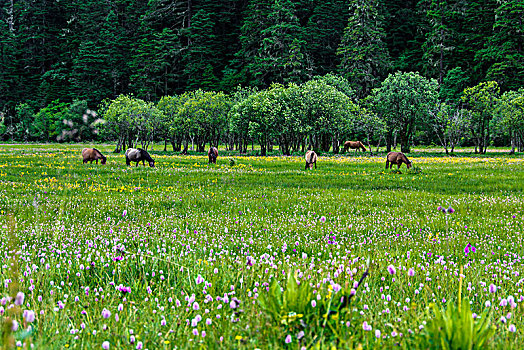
<point x="132" y="120"/>
<point x="457" y="328"/>
<point x="481" y="100"/>
<point x="49" y="122"/>
<point x="403" y="100"/>
<point x="448" y="124"/>
<point x="364" y="54"/>
<point x="510" y="116"/>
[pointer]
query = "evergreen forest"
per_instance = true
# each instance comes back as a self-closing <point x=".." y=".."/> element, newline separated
<point x="68" y="57"/>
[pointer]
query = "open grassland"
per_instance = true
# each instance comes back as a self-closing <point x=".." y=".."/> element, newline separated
<point x="189" y="254"/>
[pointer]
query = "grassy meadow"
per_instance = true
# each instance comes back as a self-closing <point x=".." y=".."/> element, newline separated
<point x="259" y="254"/>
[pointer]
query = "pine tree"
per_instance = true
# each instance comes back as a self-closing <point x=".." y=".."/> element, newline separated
<point x="505" y="48"/>
<point x="364" y="55"/>
<point x="324" y="31"/>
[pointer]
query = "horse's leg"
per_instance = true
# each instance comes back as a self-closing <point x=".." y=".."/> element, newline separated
<point x="97" y="162"/>
<point x="315" y="165"/>
<point x="137" y="164"/>
<point x="387" y="164"/>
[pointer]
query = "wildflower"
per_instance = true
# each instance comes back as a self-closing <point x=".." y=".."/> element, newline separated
<point x="29" y="316"/>
<point x="488" y="303"/>
<point x="411" y="272"/>
<point x="14" y="327"/>
<point x="199" y="279"/>
<point x="366" y="326"/>
<point x="124" y="213"/>
<point x="313" y="303"/>
<point x="503" y="319"/>
<point x="196" y="306"/>
<point x="377" y="333"/>
<point x="208" y="322"/>
<point x="19" y="299"/>
<point x="450" y="210"/>
<point x="322" y="219"/>
<point x="139" y="345"/>
<point x="105" y="345"/>
<point x="492" y="288"/>
<point x="288" y="339"/>
<point x="106" y="313"/>
<point x="392" y="270"/>
<point x="512" y="328"/>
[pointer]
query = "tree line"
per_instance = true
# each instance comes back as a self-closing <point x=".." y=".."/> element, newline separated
<point x="320" y="114"/>
<point x="91" y="50"/>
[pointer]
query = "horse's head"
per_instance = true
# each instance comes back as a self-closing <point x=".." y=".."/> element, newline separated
<point x="152" y="163"/>
<point x="409" y="164"/>
<point x="104" y="160"/>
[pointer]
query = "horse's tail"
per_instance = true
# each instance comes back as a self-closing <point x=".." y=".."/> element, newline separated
<point x="362" y="146"/>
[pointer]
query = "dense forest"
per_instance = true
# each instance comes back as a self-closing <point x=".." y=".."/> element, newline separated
<point x="59" y="52"/>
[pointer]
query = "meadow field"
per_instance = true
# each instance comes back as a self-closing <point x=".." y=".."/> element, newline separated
<point x="260" y="253"/>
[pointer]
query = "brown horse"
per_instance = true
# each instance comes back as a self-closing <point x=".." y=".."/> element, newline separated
<point x="397" y="158"/>
<point x="311" y="158"/>
<point x="212" y="154"/>
<point x="91" y="154"/>
<point x="354" y="145"/>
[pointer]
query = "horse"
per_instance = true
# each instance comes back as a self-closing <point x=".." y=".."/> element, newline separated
<point x="212" y="154"/>
<point x="397" y="158"/>
<point x="311" y="158"/>
<point x="354" y="145"/>
<point x="137" y="155"/>
<point x="91" y="154"/>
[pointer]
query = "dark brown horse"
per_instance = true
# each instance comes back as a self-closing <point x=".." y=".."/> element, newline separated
<point x="311" y="158"/>
<point x="397" y="158"/>
<point x="91" y="154"/>
<point x="354" y="145"/>
<point x="212" y="154"/>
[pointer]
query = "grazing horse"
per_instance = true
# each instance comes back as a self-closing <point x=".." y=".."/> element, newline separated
<point x="137" y="155"/>
<point x="212" y="154"/>
<point x="311" y="158"/>
<point x="397" y="158"/>
<point x="91" y="154"/>
<point x="354" y="145"/>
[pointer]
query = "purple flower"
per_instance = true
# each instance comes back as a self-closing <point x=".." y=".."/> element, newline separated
<point x="106" y="313"/>
<point x="377" y="333"/>
<point x="105" y="345"/>
<point x="313" y="303"/>
<point x="196" y="306"/>
<point x="199" y="279"/>
<point x="451" y="210"/>
<point x="512" y="328"/>
<point x="492" y="288"/>
<point x="29" y="316"/>
<point x="19" y="299"/>
<point x="392" y="270"/>
<point x="288" y="339"/>
<point x="322" y="219"/>
<point x="439" y="208"/>
<point x="124" y="213"/>
<point x="411" y="272"/>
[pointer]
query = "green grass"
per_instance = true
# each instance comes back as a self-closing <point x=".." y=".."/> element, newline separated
<point x="186" y="218"/>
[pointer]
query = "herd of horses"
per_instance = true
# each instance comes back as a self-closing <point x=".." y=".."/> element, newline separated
<point x="140" y="155"/>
